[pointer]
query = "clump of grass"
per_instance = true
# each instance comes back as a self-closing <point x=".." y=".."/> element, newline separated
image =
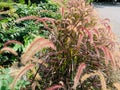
<point x="80" y="39"/>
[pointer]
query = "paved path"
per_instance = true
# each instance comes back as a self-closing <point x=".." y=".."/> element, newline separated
<point x="113" y="13"/>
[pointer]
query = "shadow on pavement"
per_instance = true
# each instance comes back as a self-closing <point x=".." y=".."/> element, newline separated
<point x="104" y="4"/>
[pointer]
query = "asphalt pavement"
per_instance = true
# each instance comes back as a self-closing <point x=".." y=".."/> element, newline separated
<point x="112" y="12"/>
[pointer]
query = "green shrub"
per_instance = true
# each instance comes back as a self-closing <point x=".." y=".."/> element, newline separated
<point x="24" y="31"/>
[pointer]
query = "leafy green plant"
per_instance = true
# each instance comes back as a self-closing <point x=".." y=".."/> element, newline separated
<point x="23" y="31"/>
<point x="8" y="9"/>
<point x="24" y="1"/>
<point x="6" y="79"/>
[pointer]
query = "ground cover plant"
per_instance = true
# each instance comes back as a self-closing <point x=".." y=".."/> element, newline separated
<point x="79" y="53"/>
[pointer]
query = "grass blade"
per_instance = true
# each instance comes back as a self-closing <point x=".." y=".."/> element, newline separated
<point x="11" y="41"/>
<point x="9" y="50"/>
<point x="36" y="46"/>
<point x="98" y="73"/>
<point x="55" y="87"/>
<point x="78" y="74"/>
